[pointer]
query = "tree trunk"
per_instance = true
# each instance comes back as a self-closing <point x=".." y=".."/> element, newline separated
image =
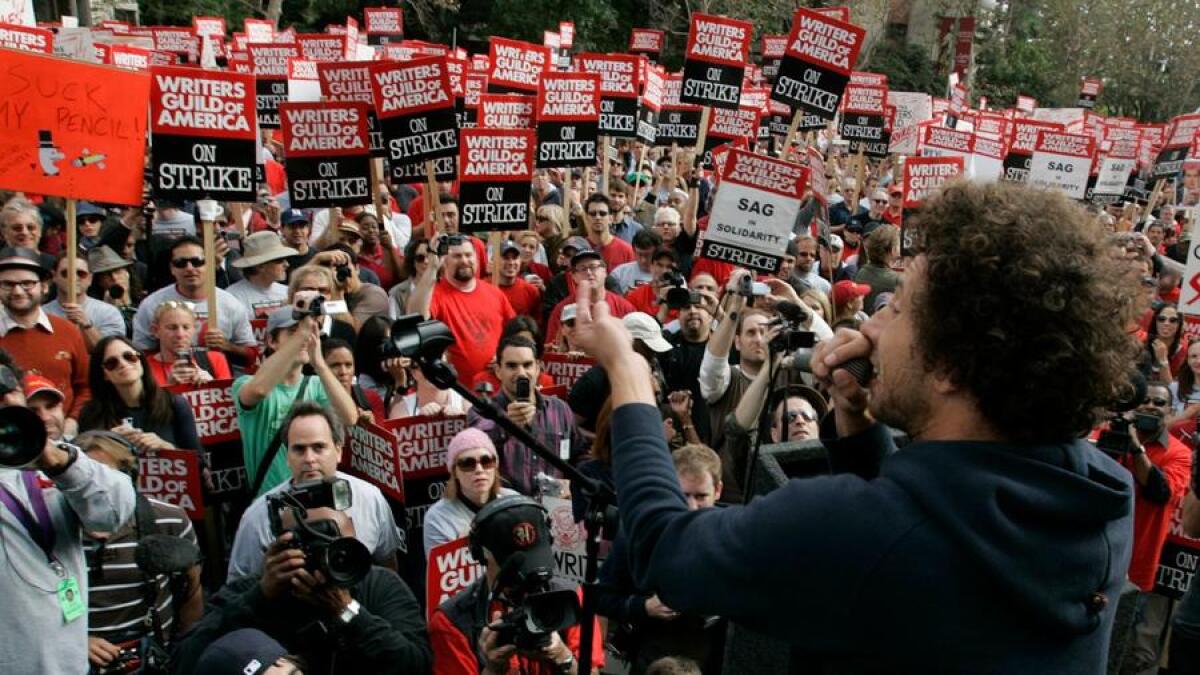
<point x="274" y="10"/>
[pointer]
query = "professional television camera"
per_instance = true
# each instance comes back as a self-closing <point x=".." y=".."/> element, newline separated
<point x="344" y="561"/>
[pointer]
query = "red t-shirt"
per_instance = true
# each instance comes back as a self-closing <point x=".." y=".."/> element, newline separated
<point x="644" y="299"/>
<point x="721" y="271"/>
<point x="276" y="176"/>
<point x="524" y="298"/>
<point x="617" y="306"/>
<point x="616" y="252"/>
<point x="476" y="320"/>
<point x="1152" y="521"/>
<point x="220" y="367"/>
<point x="489" y="376"/>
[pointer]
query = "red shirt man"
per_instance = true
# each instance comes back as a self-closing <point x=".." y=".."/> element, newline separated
<point x="599" y="215"/>
<point x="587" y="264"/>
<point x="526" y="300"/>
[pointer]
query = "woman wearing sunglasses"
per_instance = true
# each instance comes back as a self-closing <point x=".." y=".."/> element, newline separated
<point x="416" y="260"/>
<point x="474" y="481"/>
<point x="127" y="400"/>
<point x="1165" y="344"/>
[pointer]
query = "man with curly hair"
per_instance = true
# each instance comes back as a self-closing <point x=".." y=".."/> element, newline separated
<point x="997" y="540"/>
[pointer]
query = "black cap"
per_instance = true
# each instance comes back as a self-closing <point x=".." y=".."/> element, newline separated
<point x="247" y="650"/>
<point x="21" y="258"/>
<point x="515" y="530"/>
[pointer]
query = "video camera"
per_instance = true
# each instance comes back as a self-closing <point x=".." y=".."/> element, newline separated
<point x="793" y="317"/>
<point x="1118" y="439"/>
<point x="748" y="288"/>
<point x="316" y="305"/>
<point x="445" y="241"/>
<point x="542" y="612"/>
<point x="344" y="561"/>
<point x="678" y="295"/>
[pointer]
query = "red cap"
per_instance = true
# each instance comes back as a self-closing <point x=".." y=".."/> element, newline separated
<point x="38" y="384"/>
<point x="845" y="291"/>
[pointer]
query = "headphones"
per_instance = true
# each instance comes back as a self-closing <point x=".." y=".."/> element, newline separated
<point x="489" y="511"/>
<point x="116" y="438"/>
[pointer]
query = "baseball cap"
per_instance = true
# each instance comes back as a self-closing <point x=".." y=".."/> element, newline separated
<point x="643" y="327"/>
<point x="87" y="209"/>
<point x="509" y="247"/>
<point x="517" y="535"/>
<point x="246" y="651"/>
<point x="280" y="318"/>
<point x="568" y="313"/>
<point x="575" y="244"/>
<point x="21" y="258"/>
<point x="40" y="384"/>
<point x="292" y="216"/>
<point x="845" y="291"/>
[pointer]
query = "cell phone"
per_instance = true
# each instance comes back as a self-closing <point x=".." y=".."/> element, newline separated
<point x="184" y="355"/>
<point x="524" y="387"/>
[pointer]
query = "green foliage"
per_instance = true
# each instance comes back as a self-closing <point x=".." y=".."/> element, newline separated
<point x="908" y="67"/>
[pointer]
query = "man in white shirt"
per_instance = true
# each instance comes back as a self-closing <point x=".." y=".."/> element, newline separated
<point x="264" y="265"/>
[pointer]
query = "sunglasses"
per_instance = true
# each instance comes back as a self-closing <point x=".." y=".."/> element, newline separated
<point x="1167" y="319"/>
<point x="597" y="214"/>
<point x="1160" y="402"/>
<point x="419" y="258"/>
<point x="793" y="414"/>
<point x="78" y="273"/>
<point x="113" y="362"/>
<point x="182" y="263"/>
<point x="469" y="463"/>
<point x="879" y="201"/>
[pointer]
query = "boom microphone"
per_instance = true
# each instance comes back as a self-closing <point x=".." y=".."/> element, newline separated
<point x="165" y="554"/>
<point x="789" y="312"/>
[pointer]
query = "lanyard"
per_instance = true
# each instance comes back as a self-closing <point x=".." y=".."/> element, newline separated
<point x="38" y="524"/>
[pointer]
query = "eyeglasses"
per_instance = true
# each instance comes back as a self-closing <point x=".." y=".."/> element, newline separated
<point x="588" y="269"/>
<point x="182" y="263"/>
<point x="113" y="362"/>
<point x="879" y="201"/>
<point x="419" y="258"/>
<point x="469" y="463"/>
<point x="26" y="285"/>
<point x="1163" y="318"/>
<point x="323" y="290"/>
<point x="793" y="414"/>
<point x="1160" y="402"/>
<point x="597" y="214"/>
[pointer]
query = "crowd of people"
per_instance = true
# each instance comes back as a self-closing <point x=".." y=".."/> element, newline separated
<point x="1017" y="317"/>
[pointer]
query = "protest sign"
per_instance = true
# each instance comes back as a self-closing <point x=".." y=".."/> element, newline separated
<point x="570" y="540"/>
<point x="816" y="66"/>
<point x="495" y="170"/>
<point x="445" y="169"/>
<point x="1178" y="560"/>
<point x="566" y="32"/>
<point x="678" y="123"/>
<point x="351" y="83"/>
<point x="17" y="12"/>
<point x="924" y="176"/>
<point x="179" y="41"/>
<point x="715" y="61"/>
<point x="328" y="152"/>
<point x="24" y="38"/>
<point x="173" y="476"/>
<point x="1178" y="138"/>
<point x="730" y="126"/>
<point x="647" y="41"/>
<point x="270" y="70"/>
<point x="1020" y="149"/>
<point x="939" y="141"/>
<point x="516" y="67"/>
<point x="258" y="31"/>
<point x="383" y="24"/>
<point x="304" y="84"/>
<point x="653" y="79"/>
<point x="421" y="448"/>
<point x="72" y="129"/>
<point x="1089" y="91"/>
<point x="565" y="369"/>
<point x="321" y="47"/>
<point x="1115" y="168"/>
<point x="753" y="212"/>
<point x="208" y="25"/>
<point x="451" y="569"/>
<point x="568" y="120"/>
<point x="987" y="159"/>
<point x="1062" y="162"/>
<point x="773" y="49"/>
<point x="203" y="123"/>
<point x="864" y="119"/>
<point x="416" y="109"/>
<point x="372" y="454"/>
<point x="620" y="82"/>
<point x="912" y="108"/>
<point x="474" y="87"/>
<point x="214" y="409"/>
<point x="505" y="111"/>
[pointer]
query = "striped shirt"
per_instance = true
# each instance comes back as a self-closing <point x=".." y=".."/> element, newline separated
<point x="117" y="608"/>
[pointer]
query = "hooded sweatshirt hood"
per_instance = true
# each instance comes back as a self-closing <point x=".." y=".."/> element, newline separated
<point x="1043" y="521"/>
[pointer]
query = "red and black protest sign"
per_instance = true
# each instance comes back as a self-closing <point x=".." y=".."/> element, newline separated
<point x="179" y="41"/>
<point x="322" y="47"/>
<point x="270" y="68"/>
<point x="456" y="72"/>
<point x="647" y="41"/>
<point x="173" y="476"/>
<point x="383" y="24"/>
<point x="208" y="25"/>
<point x="1089" y="91"/>
<point x="566" y="369"/>
<point x="653" y="81"/>
<point x="1179" y="560"/>
<point x="620" y="82"/>
<point x="678" y="123"/>
<point x="351" y="83"/>
<point x="27" y="39"/>
<point x="821" y="52"/>
<point x="924" y="176"/>
<point x="568" y="120"/>
<point x="451" y="569"/>
<point x="516" y="67"/>
<point x="1020" y="148"/>
<point x="373" y="454"/>
<point x="754" y="209"/>
<point x="204" y="134"/>
<point x="328" y="152"/>
<point x="1169" y="161"/>
<point x="939" y="141"/>
<point x="416" y="109"/>
<point x="773" y="49"/>
<point x="864" y="119"/>
<point x="495" y="170"/>
<point x="506" y="111"/>
<point x="474" y="87"/>
<point x="715" y="61"/>
<point x="215" y="412"/>
<point x="421" y="452"/>
<point x="727" y="126"/>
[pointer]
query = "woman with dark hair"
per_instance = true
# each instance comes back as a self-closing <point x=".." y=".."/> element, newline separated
<point x="387" y="377"/>
<point x="120" y="240"/>
<point x="1185" y="390"/>
<point x="127" y="400"/>
<point x="416" y="260"/>
<point x="1166" y="345"/>
<point x="378" y="254"/>
<point x="339" y="356"/>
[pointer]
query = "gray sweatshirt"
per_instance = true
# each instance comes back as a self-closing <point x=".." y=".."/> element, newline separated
<point x="87" y="496"/>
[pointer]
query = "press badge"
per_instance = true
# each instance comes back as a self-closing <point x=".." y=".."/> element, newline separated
<point x="70" y="598"/>
<point x="564" y="448"/>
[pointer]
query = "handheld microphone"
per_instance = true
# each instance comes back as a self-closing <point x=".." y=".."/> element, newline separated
<point x="860" y="367"/>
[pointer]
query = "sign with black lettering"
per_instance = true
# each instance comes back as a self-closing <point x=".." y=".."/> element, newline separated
<point x="1116" y="166"/>
<point x="383" y="24"/>
<point x="773" y="48"/>
<point x="1089" y="91"/>
<point x="204" y="134"/>
<point x="328" y="152"/>
<point x="505" y="111"/>
<point x="864" y="118"/>
<point x="421" y="449"/>
<point x="1062" y="162"/>
<point x="647" y="41"/>
<point x="351" y="83"/>
<point x="568" y="120"/>
<point x="456" y="71"/>
<point x="416" y="109"/>
<point x="753" y="211"/>
<point x="26" y="38"/>
<point x="373" y="454"/>
<point x="924" y="176"/>
<point x="653" y="81"/>
<point x="816" y="66"/>
<point x="495" y="170"/>
<point x="1169" y="161"/>
<point x="1020" y="148"/>
<point x="270" y="68"/>
<point x="715" y="61"/>
<point x="445" y="169"/>
<point x="516" y="67"/>
<point x="620" y="82"/>
<point x="1178" y="562"/>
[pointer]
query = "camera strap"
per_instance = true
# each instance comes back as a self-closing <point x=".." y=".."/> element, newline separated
<point x="38" y="524"/>
<point x="273" y="447"/>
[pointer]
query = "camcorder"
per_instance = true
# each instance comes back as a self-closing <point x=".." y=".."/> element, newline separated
<point x="344" y="561"/>
<point x="1118" y="438"/>
<point x="541" y="612"/>
<point x="678" y="295"/>
<point x="748" y="288"/>
<point x="794" y="318"/>
<point x="313" y="304"/>
<point x="445" y="241"/>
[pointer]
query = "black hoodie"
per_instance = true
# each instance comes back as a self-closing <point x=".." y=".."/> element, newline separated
<point x="944" y="557"/>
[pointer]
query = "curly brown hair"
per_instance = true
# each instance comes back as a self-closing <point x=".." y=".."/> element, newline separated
<point x="1023" y="307"/>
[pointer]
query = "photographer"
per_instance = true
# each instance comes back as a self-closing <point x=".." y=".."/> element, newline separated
<point x="473" y="632"/>
<point x="651" y="298"/>
<point x="364" y="300"/>
<point x="314" y="440"/>
<point x="997" y="540"/>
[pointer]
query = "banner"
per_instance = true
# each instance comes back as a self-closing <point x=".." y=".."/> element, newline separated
<point x="1089" y="91"/>
<point x="383" y="24"/>
<point x="924" y="176"/>
<point x="620" y="82"/>
<point x="351" y="83"/>
<point x="565" y="369"/>
<point x="203" y="123"/>
<point x="72" y="129"/>
<point x="1169" y="160"/>
<point x="451" y="569"/>
<point x="173" y="476"/>
<point x="328" y="153"/>
<point x="372" y="453"/>
<point x="568" y="120"/>
<point x="516" y="67"/>
<point x="715" y="61"/>
<point x="505" y="111"/>
<point x="495" y="170"/>
<point x="816" y="66"/>
<point x="26" y="39"/>
<point x="753" y="212"/>
<point x="1061" y="162"/>
<point x="270" y="68"/>
<point x="416" y="109"/>
<point x="1020" y="149"/>
<point x="678" y="123"/>
<point x="647" y="41"/>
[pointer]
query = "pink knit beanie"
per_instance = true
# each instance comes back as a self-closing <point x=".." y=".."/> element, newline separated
<point x="467" y="439"/>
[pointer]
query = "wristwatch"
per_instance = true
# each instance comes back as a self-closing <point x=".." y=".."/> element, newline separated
<point x="564" y="667"/>
<point x="72" y="455"/>
<point x="350" y="611"/>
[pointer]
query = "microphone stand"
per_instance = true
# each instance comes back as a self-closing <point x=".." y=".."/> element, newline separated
<point x="601" y="518"/>
<point x="764" y="424"/>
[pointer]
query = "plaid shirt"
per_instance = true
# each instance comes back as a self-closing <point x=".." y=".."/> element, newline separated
<point x="553" y="425"/>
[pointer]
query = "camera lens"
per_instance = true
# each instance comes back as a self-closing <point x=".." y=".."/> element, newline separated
<point x="345" y="561"/>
